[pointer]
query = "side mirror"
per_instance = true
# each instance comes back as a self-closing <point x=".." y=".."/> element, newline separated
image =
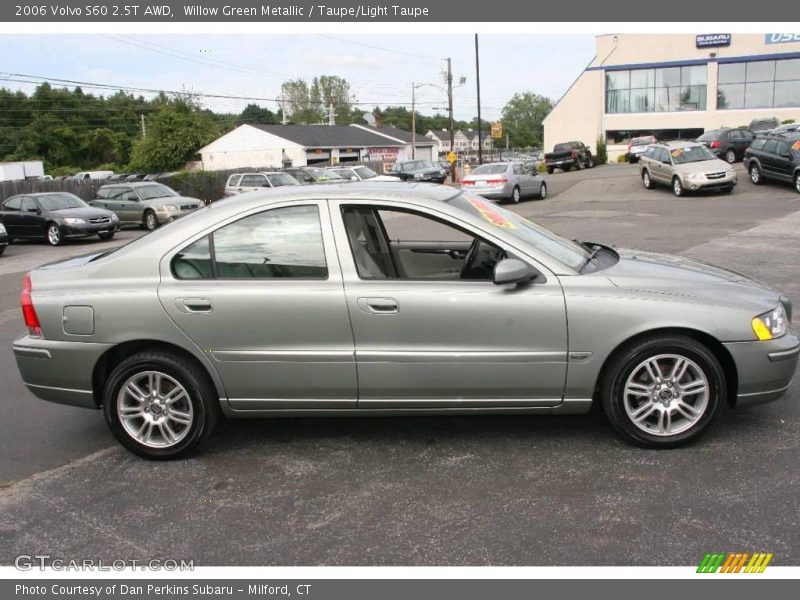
<point x="512" y="270"/>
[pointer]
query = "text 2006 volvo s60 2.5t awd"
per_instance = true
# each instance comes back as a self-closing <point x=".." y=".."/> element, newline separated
<point x="393" y="299"/>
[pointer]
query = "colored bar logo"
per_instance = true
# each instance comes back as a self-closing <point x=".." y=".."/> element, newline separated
<point x="734" y="562"/>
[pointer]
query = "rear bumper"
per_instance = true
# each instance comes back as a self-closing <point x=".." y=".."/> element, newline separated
<point x="59" y="371"/>
<point x="489" y="192"/>
<point x="765" y="369"/>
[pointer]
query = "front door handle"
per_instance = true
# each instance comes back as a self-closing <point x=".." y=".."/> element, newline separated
<point x="194" y="305"/>
<point x="379" y="306"/>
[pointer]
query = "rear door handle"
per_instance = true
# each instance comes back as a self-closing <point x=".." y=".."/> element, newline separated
<point x="194" y="305"/>
<point x="379" y="306"/>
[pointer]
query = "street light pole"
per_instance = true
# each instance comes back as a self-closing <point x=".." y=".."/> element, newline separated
<point x="478" y="86"/>
<point x="413" y="121"/>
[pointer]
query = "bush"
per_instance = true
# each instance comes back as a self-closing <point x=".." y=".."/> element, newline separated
<point x="601" y="155"/>
<point x="622" y="158"/>
<point x="541" y="167"/>
<point x="787" y="121"/>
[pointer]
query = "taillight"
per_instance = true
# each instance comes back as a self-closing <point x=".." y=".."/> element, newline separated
<point x="573" y="154"/>
<point x="715" y="144"/>
<point x="28" y="311"/>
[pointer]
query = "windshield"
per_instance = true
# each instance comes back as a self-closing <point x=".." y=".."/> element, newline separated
<point x="490" y="169"/>
<point x="156" y="190"/>
<point x="690" y="154"/>
<point x="365" y="172"/>
<point x="323" y="174"/>
<point x="60" y="202"/>
<point x="414" y="165"/>
<point x="279" y="179"/>
<point x="564" y="251"/>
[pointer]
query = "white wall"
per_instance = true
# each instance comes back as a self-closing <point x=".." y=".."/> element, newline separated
<point x="248" y="146"/>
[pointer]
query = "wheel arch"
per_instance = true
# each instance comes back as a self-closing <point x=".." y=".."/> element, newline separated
<point x="713" y="344"/>
<point x="116" y="354"/>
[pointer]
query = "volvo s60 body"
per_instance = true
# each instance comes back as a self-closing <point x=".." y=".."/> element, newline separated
<point x="393" y="299"/>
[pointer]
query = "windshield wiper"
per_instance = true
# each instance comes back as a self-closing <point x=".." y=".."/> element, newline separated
<point x="595" y="249"/>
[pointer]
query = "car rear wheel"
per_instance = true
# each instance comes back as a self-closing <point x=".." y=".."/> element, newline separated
<point x="590" y="162"/>
<point x="755" y="174"/>
<point x="550" y="170"/>
<point x="663" y="391"/>
<point x="2" y="249"/>
<point x="150" y="221"/>
<point x="543" y="191"/>
<point x="515" y="195"/>
<point x="677" y="187"/>
<point x="797" y="182"/>
<point x="160" y="405"/>
<point x="730" y="156"/>
<point x="53" y="235"/>
<point x="646" y="181"/>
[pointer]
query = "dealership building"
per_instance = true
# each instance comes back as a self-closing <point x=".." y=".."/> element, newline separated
<point x="677" y="86"/>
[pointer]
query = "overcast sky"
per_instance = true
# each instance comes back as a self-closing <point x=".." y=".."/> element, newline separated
<point x="379" y="68"/>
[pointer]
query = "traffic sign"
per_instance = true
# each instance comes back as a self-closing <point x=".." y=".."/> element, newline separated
<point x="497" y="130"/>
<point x="451" y="157"/>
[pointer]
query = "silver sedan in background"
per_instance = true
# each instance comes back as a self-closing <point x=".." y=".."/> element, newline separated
<point x="393" y="299"/>
<point x="144" y="203"/>
<point x="509" y="181"/>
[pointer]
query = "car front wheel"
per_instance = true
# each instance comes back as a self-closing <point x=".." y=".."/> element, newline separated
<point x="160" y="405"/>
<point x="797" y="182"/>
<point x="53" y="236"/>
<point x="543" y="191"/>
<point x="663" y="391"/>
<point x="677" y="187"/>
<point x="150" y="221"/>
<point x="646" y="181"/>
<point x="755" y="174"/>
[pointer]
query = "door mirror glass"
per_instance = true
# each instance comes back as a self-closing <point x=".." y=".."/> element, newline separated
<point x="512" y="270"/>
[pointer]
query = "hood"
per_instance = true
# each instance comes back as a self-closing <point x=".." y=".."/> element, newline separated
<point x="82" y="212"/>
<point x="679" y="276"/>
<point x="704" y="166"/>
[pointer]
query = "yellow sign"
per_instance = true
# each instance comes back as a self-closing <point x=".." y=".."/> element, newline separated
<point x="451" y="157"/>
<point x="497" y="130"/>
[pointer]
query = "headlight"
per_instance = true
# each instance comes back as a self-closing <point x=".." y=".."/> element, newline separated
<point x="74" y="221"/>
<point x="695" y="176"/>
<point x="418" y="176"/>
<point x="772" y="324"/>
<point x="731" y="172"/>
<point x="2" y="228"/>
<point x="170" y="207"/>
<point x="114" y="217"/>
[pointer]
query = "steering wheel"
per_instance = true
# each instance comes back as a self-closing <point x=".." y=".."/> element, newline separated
<point x="471" y="254"/>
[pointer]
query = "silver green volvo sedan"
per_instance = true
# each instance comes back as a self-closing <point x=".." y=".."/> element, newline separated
<point x="393" y="299"/>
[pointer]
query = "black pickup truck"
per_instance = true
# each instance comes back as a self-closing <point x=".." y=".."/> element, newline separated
<point x="567" y="155"/>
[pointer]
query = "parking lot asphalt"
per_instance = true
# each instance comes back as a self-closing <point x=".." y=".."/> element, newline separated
<point x="431" y="491"/>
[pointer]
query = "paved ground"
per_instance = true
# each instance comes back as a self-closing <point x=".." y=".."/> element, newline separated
<point x="431" y="491"/>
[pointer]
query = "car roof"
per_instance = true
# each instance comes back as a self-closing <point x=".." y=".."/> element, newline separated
<point x="677" y="144"/>
<point x="356" y="190"/>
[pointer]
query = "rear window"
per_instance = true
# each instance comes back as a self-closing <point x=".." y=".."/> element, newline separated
<point x="490" y="170"/>
<point x="641" y="141"/>
<point x="709" y="136"/>
<point x="758" y="143"/>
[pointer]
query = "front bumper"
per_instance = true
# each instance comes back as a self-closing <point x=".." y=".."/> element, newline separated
<point x="167" y="216"/>
<point x="703" y="184"/>
<point x="765" y="369"/>
<point x="88" y="229"/>
<point x="59" y="371"/>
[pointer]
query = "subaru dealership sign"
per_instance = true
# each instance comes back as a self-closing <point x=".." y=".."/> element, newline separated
<point x="782" y="38"/>
<point x="712" y="40"/>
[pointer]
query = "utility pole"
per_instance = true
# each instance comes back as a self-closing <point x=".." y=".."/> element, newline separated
<point x="478" y="86"/>
<point x="413" y="121"/>
<point x="450" y="103"/>
<point x="144" y="127"/>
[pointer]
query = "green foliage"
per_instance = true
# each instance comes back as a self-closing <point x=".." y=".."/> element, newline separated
<point x="541" y="167"/>
<point x="253" y="113"/>
<point x="174" y="135"/>
<point x="787" y="121"/>
<point x="622" y="158"/>
<point x="308" y="103"/>
<point x="400" y="116"/>
<point x="601" y="153"/>
<point x="522" y="119"/>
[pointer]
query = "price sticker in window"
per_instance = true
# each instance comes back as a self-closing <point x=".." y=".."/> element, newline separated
<point x="677" y="152"/>
<point x="490" y="214"/>
<point x="796" y="145"/>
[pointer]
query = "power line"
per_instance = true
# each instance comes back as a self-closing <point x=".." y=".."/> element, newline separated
<point x="373" y="47"/>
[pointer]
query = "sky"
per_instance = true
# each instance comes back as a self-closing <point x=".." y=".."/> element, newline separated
<point x="380" y="69"/>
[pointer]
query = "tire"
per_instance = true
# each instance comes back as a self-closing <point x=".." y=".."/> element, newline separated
<point x="149" y="220"/>
<point x="147" y="432"/>
<point x="550" y="170"/>
<point x="647" y="181"/>
<point x="638" y="409"/>
<point x="578" y="164"/>
<point x="632" y="160"/>
<point x="590" y="162"/>
<point x="797" y="182"/>
<point x="756" y="176"/>
<point x="53" y="235"/>
<point x="106" y="236"/>
<point x="677" y="187"/>
<point x="2" y="249"/>
<point x="515" y="195"/>
<point x="567" y="168"/>
<point x="543" y="191"/>
<point x="730" y="156"/>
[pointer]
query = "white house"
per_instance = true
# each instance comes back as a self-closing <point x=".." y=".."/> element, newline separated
<point x="273" y="146"/>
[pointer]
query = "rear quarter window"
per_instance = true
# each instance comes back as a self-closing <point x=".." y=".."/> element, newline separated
<point x="758" y="144"/>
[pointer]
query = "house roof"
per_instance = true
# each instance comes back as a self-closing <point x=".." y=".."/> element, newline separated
<point x="328" y="136"/>
<point x="397" y="134"/>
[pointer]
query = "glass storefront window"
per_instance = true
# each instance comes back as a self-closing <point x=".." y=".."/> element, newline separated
<point x="666" y="89"/>
<point x="759" y="84"/>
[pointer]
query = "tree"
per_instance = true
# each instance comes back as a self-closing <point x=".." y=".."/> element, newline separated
<point x="522" y="119"/>
<point x="309" y="103"/>
<point x="174" y="135"/>
<point x="253" y="113"/>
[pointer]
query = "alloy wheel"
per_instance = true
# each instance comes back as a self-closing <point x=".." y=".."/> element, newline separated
<point x="797" y="183"/>
<point x="543" y="191"/>
<point x="755" y="174"/>
<point x="515" y="195"/>
<point x="150" y="221"/>
<point x="154" y="409"/>
<point x="730" y="156"/>
<point x="666" y="394"/>
<point x="646" y="179"/>
<point x="53" y="235"/>
<point x="677" y="187"/>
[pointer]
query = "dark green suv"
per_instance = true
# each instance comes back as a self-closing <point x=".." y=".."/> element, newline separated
<point x="774" y="156"/>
